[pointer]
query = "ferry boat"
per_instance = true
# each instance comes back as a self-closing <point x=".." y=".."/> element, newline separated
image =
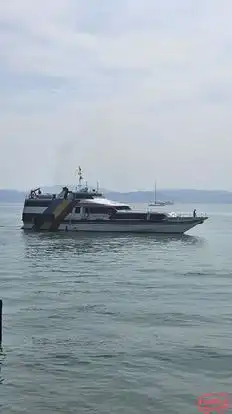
<point x="87" y="210"/>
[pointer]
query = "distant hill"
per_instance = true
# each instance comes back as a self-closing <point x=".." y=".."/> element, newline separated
<point x="178" y="196"/>
<point x="11" y="196"/>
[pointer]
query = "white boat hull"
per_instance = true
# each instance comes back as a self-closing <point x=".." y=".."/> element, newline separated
<point x="161" y="228"/>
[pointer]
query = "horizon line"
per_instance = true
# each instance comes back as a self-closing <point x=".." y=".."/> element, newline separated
<point x="127" y="191"/>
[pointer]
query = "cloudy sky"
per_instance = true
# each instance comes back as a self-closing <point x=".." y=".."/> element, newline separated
<point x="132" y="90"/>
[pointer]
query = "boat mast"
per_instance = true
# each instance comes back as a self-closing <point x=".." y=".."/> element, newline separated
<point x="80" y="176"/>
<point x="155" y="193"/>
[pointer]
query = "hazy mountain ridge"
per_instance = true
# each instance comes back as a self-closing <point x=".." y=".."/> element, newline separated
<point x="178" y="196"/>
<point x="13" y="196"/>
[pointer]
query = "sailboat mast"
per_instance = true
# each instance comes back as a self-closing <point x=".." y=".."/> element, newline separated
<point x="155" y="192"/>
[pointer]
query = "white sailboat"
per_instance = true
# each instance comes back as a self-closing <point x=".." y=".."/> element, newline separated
<point x="155" y="202"/>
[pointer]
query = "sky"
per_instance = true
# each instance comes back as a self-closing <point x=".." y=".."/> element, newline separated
<point x="132" y="90"/>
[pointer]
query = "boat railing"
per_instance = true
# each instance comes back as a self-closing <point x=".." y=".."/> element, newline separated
<point x="39" y="196"/>
<point x="187" y="215"/>
<point x="71" y="194"/>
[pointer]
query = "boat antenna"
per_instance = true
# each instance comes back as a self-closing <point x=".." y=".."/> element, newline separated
<point x="80" y="176"/>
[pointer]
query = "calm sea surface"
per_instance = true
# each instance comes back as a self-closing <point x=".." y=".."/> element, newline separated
<point x="115" y="324"/>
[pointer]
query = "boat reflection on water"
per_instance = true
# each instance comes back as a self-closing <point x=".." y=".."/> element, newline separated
<point x="65" y="244"/>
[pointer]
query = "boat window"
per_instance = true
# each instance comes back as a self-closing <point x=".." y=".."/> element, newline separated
<point x="80" y="195"/>
<point x="30" y="217"/>
<point x="77" y="210"/>
<point x="130" y="216"/>
<point x="157" y="217"/>
<point x="98" y="210"/>
<point x="122" y="208"/>
<point x="38" y="202"/>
